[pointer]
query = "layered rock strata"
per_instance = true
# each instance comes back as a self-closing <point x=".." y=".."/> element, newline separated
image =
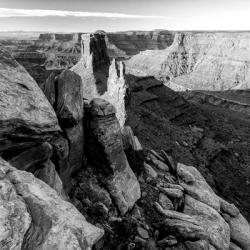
<point x="199" y="61"/>
<point x="26" y="117"/>
<point x="99" y="78"/>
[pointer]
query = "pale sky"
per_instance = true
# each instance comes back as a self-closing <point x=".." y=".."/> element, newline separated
<point x="118" y="15"/>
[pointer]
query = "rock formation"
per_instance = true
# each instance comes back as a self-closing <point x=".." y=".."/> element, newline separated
<point x="105" y="141"/>
<point x="219" y="59"/>
<point x="65" y="94"/>
<point x="26" y="117"/>
<point x="99" y="78"/>
<point x="133" y="42"/>
<point x="33" y="216"/>
<point x="119" y="180"/>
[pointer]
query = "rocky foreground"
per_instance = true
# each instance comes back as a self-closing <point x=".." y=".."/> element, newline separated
<point x="74" y="176"/>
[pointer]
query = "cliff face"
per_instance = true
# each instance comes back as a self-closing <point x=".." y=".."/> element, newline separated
<point x="207" y="61"/>
<point x="100" y="79"/>
<point x="135" y="41"/>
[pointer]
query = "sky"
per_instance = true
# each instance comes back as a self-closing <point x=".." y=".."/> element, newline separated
<point x="119" y="15"/>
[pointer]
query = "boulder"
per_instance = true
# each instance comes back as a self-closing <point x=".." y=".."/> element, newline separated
<point x="124" y="188"/>
<point x="217" y="230"/>
<point x="240" y="231"/>
<point x="229" y="208"/>
<point x="105" y="141"/>
<point x="158" y="163"/>
<point x="196" y="186"/>
<point x="165" y="202"/>
<point x="234" y="246"/>
<point x="26" y="116"/>
<point x="33" y="216"/>
<point x="184" y="230"/>
<point x="198" y="245"/>
<point x="172" y="192"/>
<point x="149" y="171"/>
<point x="69" y="98"/>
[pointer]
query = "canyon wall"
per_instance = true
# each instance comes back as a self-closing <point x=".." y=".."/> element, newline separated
<point x="119" y="44"/>
<point x="132" y="42"/>
<point x="199" y="60"/>
<point x="99" y="77"/>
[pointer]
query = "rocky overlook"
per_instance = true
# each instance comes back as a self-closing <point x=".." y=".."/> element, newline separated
<point x="96" y="158"/>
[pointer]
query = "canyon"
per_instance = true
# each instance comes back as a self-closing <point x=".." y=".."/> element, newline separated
<point x="99" y="153"/>
<point x="213" y="61"/>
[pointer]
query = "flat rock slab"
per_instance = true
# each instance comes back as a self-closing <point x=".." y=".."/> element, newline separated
<point x="26" y="116"/>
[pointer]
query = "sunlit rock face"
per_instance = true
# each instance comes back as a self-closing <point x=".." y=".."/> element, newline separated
<point x="99" y="78"/>
<point x="129" y="43"/>
<point x="207" y="61"/>
<point x="33" y="215"/>
<point x="93" y="65"/>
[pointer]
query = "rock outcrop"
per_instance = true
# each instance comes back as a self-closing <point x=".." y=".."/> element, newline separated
<point x="133" y="42"/>
<point x="119" y="44"/>
<point x="65" y="94"/>
<point x="105" y="140"/>
<point x="26" y="117"/>
<point x="33" y="216"/>
<point x="99" y="78"/>
<point x="141" y="198"/>
<point x="219" y="59"/>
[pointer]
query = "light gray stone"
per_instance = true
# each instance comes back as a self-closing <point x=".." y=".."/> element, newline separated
<point x="35" y="217"/>
<point x="217" y="230"/>
<point x="196" y="186"/>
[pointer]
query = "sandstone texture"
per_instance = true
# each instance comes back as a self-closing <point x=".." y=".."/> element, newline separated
<point x="99" y="78"/>
<point x="199" y="61"/>
<point x="147" y="178"/>
<point x="105" y="140"/>
<point x="35" y="217"/>
<point x="132" y="42"/>
<point x="26" y="117"/>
